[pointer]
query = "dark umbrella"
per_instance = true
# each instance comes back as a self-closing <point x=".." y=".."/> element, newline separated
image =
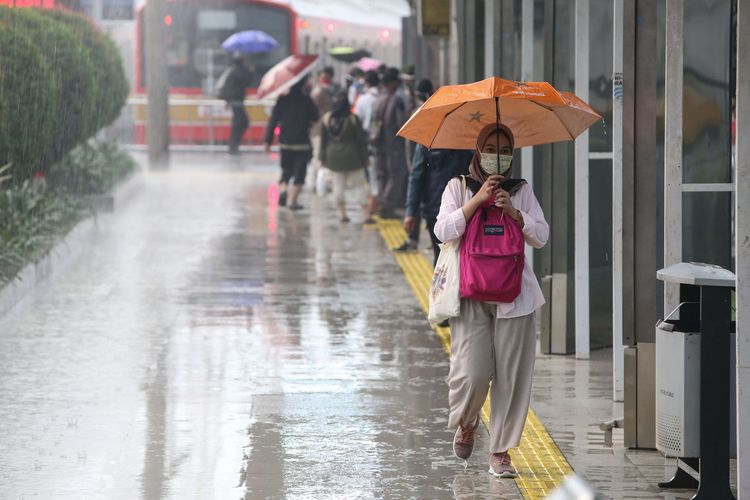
<point x="348" y="54"/>
<point x="249" y="42"/>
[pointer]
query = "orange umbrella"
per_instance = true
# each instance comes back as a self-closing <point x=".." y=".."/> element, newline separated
<point x="534" y="111"/>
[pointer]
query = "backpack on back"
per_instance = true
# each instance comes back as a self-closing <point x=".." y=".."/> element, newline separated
<point x="492" y="253"/>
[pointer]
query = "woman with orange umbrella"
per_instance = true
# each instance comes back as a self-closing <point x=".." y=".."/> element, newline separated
<point x="493" y="337"/>
<point x="493" y="342"/>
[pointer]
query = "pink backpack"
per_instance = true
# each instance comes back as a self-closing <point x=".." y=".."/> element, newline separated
<point x="492" y="255"/>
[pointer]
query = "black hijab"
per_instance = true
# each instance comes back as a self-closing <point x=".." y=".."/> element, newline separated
<point x="340" y="111"/>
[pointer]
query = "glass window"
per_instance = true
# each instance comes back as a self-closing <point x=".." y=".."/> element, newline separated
<point x="194" y="38"/>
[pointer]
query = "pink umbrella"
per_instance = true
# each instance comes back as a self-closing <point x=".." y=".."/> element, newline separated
<point x="285" y="74"/>
<point x="368" y="64"/>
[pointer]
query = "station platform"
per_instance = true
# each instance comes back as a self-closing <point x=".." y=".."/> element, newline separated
<point x="209" y="344"/>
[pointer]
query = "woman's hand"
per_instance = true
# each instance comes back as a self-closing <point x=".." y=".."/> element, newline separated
<point x="502" y="201"/>
<point x="489" y="188"/>
<point x="486" y="192"/>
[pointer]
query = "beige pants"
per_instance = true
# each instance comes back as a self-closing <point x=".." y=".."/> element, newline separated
<point x="483" y="350"/>
<point x="353" y="181"/>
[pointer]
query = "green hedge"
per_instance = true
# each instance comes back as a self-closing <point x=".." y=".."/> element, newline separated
<point x="61" y="80"/>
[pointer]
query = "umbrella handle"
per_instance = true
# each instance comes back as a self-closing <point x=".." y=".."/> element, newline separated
<point x="497" y="131"/>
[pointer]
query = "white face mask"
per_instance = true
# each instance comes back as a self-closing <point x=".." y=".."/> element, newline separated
<point x="493" y="164"/>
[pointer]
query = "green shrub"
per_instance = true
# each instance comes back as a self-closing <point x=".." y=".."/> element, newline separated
<point x="112" y="84"/>
<point x="64" y="81"/>
<point x="91" y="168"/>
<point x="30" y="223"/>
<point x="28" y="97"/>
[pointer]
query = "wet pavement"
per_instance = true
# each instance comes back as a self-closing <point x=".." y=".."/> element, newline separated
<point x="572" y="398"/>
<point x="210" y="345"/>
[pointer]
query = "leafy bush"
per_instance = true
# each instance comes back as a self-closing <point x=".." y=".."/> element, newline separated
<point x="28" y="98"/>
<point x="61" y="80"/>
<point x="30" y="222"/>
<point x="91" y="168"/>
<point x="112" y="84"/>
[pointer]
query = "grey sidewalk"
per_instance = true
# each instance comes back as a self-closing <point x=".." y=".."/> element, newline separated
<point x="572" y="398"/>
<point x="212" y="346"/>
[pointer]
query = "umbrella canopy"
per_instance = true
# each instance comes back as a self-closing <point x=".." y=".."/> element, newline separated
<point x="348" y="54"/>
<point x="368" y="64"/>
<point x="534" y="111"/>
<point x="285" y="74"/>
<point x="249" y="42"/>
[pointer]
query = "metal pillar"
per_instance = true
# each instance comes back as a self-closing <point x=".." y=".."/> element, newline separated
<point x="742" y="251"/>
<point x="673" y="147"/>
<point x="157" y="74"/>
<point x="454" y="43"/>
<point x="469" y="40"/>
<point x="639" y="220"/>
<point x="491" y="37"/>
<point x="527" y="75"/>
<point x="543" y="260"/>
<point x="618" y="375"/>
<point x="581" y="232"/>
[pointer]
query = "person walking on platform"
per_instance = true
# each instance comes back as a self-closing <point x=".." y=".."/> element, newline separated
<point x="322" y="95"/>
<point x="390" y="113"/>
<point x="363" y="108"/>
<point x="431" y="171"/>
<point x="295" y="113"/>
<point x="492" y="342"/>
<point x="232" y="86"/>
<point x="343" y="150"/>
<point x="422" y="92"/>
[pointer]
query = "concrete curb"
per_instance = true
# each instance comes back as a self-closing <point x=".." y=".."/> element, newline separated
<point x="63" y="253"/>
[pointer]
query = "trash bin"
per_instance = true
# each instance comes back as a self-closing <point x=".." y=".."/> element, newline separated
<point x="695" y="380"/>
<point x="678" y="365"/>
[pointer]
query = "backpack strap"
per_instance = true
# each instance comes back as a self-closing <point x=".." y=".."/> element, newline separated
<point x="509" y="185"/>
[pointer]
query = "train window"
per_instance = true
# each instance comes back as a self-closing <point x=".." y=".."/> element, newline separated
<point x="194" y="52"/>
<point x="217" y="20"/>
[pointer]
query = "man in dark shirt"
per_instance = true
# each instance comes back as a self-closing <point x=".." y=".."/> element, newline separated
<point x="430" y="173"/>
<point x="390" y="112"/>
<point x="295" y="113"/>
<point x="232" y="89"/>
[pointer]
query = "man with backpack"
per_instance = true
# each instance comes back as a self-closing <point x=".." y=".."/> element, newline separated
<point x="232" y="87"/>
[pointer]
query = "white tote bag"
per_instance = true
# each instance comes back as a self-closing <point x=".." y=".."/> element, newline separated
<point x="445" y="298"/>
<point x="445" y="301"/>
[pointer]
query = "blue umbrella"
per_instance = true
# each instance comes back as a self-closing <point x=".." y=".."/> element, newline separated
<point x="249" y="42"/>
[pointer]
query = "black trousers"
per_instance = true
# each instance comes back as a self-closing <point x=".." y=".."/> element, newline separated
<point x="239" y="125"/>
<point x="435" y="241"/>
<point x="294" y="166"/>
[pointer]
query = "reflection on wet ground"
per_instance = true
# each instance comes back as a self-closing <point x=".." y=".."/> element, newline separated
<point x="211" y="345"/>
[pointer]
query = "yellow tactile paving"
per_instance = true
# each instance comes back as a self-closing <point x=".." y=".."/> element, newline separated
<point x="540" y="463"/>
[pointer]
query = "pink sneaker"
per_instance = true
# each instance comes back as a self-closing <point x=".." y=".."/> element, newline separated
<point x="463" y="440"/>
<point x="500" y="465"/>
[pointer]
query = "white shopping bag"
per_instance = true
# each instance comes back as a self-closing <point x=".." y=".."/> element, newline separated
<point x="323" y="182"/>
<point x="445" y="299"/>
